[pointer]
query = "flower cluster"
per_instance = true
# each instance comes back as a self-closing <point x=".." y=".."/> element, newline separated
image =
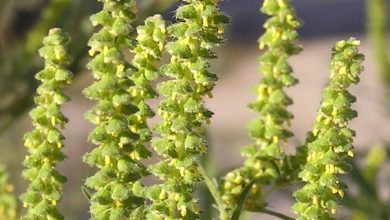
<point x="118" y="154"/>
<point x="265" y="157"/>
<point x="147" y="53"/>
<point x="8" y="204"/>
<point x="183" y="112"/>
<point x="44" y="143"/>
<point x="330" y="140"/>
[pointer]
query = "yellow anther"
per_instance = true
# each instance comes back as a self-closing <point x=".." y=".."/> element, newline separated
<point x="162" y="195"/>
<point x="331" y="168"/>
<point x="276" y="35"/>
<point x="161" y="46"/>
<point x="333" y="211"/>
<point x="257" y="165"/>
<point x="350" y="153"/>
<point x="134" y="155"/>
<point x="341" y="193"/>
<point x="334" y="112"/>
<point x="261" y="45"/>
<point x="289" y="17"/>
<point x="238" y="179"/>
<point x="107" y="160"/>
<point x="177" y="196"/>
<point x="334" y="190"/>
<point x="275" y="139"/>
<point x="228" y="185"/>
<point x="269" y="90"/>
<point x="54" y="202"/>
<point x="91" y="52"/>
<point x="120" y="68"/>
<point x="343" y="70"/>
<point x="315" y="131"/>
<point x="183" y="211"/>
<point x="182" y="172"/>
<point x="221" y="29"/>
<point x="133" y="129"/>
<point x="315" y="200"/>
<point x="205" y="21"/>
<point x="174" y="96"/>
<point x="134" y="92"/>
<point x="281" y="3"/>
<point x="53" y="121"/>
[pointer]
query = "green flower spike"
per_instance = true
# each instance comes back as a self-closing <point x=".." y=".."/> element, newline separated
<point x="44" y="143"/>
<point x="118" y="154"/>
<point x="8" y="204"/>
<point x="266" y="157"/>
<point x="330" y="140"/>
<point x="147" y="54"/>
<point x="181" y="131"/>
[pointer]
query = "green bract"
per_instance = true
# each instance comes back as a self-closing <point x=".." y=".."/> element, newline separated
<point x="44" y="143"/>
<point x="181" y="133"/>
<point x="8" y="204"/>
<point x="330" y="140"/>
<point x="119" y="147"/>
<point x="265" y="157"/>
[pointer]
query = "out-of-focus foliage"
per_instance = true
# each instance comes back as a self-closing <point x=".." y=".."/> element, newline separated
<point x="8" y="204"/>
<point x="377" y="27"/>
<point x="369" y="203"/>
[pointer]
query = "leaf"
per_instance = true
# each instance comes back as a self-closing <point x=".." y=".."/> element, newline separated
<point x="86" y="192"/>
<point x="241" y="201"/>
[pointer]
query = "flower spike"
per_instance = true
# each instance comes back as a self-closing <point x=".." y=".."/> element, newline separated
<point x="44" y="143"/>
<point x="181" y="138"/>
<point x="330" y="141"/>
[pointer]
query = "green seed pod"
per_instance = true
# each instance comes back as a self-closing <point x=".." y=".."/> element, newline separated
<point x="181" y="138"/>
<point x="8" y="203"/>
<point x="44" y="143"/>
<point x="265" y="157"/>
<point x="330" y="141"/>
<point x="117" y="116"/>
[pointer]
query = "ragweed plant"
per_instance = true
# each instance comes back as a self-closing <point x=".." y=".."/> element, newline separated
<point x="183" y="112"/>
<point x="265" y="157"/>
<point x="44" y="143"/>
<point x="8" y="204"/>
<point x="330" y="141"/>
<point x="126" y="60"/>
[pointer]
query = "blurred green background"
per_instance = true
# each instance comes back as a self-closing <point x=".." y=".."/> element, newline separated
<point x="23" y="23"/>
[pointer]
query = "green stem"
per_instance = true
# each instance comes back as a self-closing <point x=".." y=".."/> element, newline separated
<point x="276" y="214"/>
<point x="211" y="185"/>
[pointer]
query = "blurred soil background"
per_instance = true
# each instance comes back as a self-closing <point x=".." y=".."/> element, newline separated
<point x="325" y="22"/>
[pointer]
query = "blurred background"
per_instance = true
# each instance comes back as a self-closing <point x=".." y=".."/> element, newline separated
<point x="23" y="23"/>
